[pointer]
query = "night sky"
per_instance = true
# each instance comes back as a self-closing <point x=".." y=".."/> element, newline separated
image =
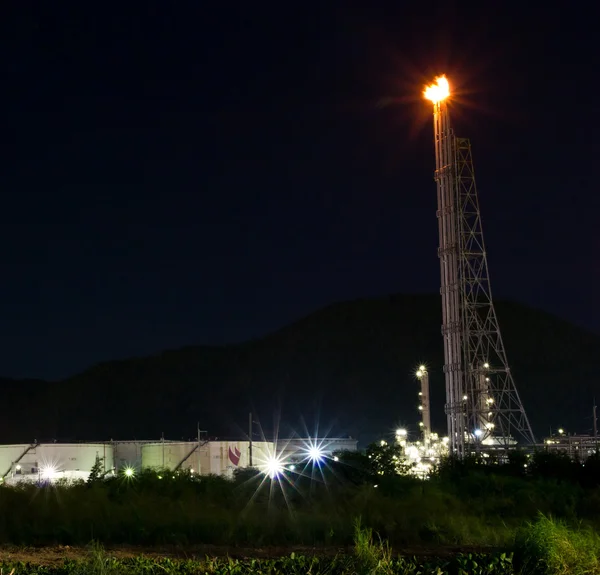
<point x="183" y="173"/>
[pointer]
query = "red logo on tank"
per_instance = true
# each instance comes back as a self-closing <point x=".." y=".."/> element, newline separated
<point x="234" y="455"/>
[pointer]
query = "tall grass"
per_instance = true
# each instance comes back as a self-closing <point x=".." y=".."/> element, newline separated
<point x="549" y="547"/>
<point x="371" y="557"/>
<point x="479" y="510"/>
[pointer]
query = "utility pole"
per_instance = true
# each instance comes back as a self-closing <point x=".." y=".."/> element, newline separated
<point x="250" y="437"/>
<point x="198" y="449"/>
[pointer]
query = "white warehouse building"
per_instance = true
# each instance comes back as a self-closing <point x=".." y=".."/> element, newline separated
<point x="72" y="461"/>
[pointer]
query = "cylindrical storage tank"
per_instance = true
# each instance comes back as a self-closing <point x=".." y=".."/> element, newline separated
<point x="128" y="454"/>
<point x="227" y="456"/>
<point x="75" y="457"/>
<point x="52" y="461"/>
<point x="170" y="455"/>
<point x="9" y="454"/>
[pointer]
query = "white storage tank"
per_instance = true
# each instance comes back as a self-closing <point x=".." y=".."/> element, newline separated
<point x="9" y="454"/>
<point x="170" y="455"/>
<point x="53" y="461"/>
<point x="227" y="456"/>
<point x="128" y="454"/>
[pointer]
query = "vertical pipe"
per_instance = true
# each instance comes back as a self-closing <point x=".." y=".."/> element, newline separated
<point x="595" y="427"/>
<point x="448" y="235"/>
<point x="250" y="440"/>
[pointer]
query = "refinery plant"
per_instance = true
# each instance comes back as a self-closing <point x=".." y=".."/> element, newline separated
<point x="50" y="462"/>
<point x="484" y="412"/>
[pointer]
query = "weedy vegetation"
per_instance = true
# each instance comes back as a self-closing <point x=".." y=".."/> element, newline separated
<point x="547" y="513"/>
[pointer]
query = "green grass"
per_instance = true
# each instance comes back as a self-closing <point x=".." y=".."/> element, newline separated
<point x="476" y="511"/>
<point x="550" y="547"/>
<point x="209" y="512"/>
<point x="544" y="547"/>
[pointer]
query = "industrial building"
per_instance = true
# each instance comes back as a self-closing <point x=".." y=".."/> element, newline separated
<point x="71" y="461"/>
<point x="38" y="462"/>
<point x="575" y="446"/>
<point x="298" y="448"/>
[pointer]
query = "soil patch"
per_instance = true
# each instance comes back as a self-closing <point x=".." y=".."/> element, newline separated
<point x="56" y="555"/>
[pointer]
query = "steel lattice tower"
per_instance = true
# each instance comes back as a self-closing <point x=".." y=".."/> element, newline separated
<point x="483" y="406"/>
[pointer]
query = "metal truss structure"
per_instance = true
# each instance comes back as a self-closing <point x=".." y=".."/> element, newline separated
<point x="483" y="408"/>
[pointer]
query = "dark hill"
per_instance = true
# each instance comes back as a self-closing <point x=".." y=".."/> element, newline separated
<point x="352" y="363"/>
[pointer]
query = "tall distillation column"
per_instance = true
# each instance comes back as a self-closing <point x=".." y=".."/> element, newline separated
<point x="445" y="177"/>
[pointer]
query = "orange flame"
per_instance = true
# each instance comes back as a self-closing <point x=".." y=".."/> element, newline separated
<point x="438" y="91"/>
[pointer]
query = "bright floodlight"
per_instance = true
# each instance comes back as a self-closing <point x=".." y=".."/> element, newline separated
<point x="420" y="373"/>
<point x="128" y="472"/>
<point x="401" y="432"/>
<point x="315" y="454"/>
<point x="273" y="467"/>
<point x="48" y="471"/>
<point x="478" y="432"/>
<point x="438" y="91"/>
<point x="422" y="368"/>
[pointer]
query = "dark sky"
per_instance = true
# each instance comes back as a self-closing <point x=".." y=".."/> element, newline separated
<point x="204" y="172"/>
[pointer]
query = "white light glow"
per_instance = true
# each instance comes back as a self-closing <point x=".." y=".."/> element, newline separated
<point x="273" y="466"/>
<point x="129" y="472"/>
<point x="48" y="472"/>
<point x="401" y="432"/>
<point x="316" y="454"/>
<point x="478" y="432"/>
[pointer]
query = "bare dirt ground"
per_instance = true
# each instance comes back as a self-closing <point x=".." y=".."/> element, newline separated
<point x="56" y="555"/>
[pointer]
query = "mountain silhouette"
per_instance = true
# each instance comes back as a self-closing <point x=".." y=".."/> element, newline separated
<point x="347" y="368"/>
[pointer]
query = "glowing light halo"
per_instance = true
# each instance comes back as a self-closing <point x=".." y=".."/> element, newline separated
<point x="48" y="471"/>
<point x="274" y="467"/>
<point x="271" y="465"/>
<point x="316" y="454"/>
<point x="438" y="91"/>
